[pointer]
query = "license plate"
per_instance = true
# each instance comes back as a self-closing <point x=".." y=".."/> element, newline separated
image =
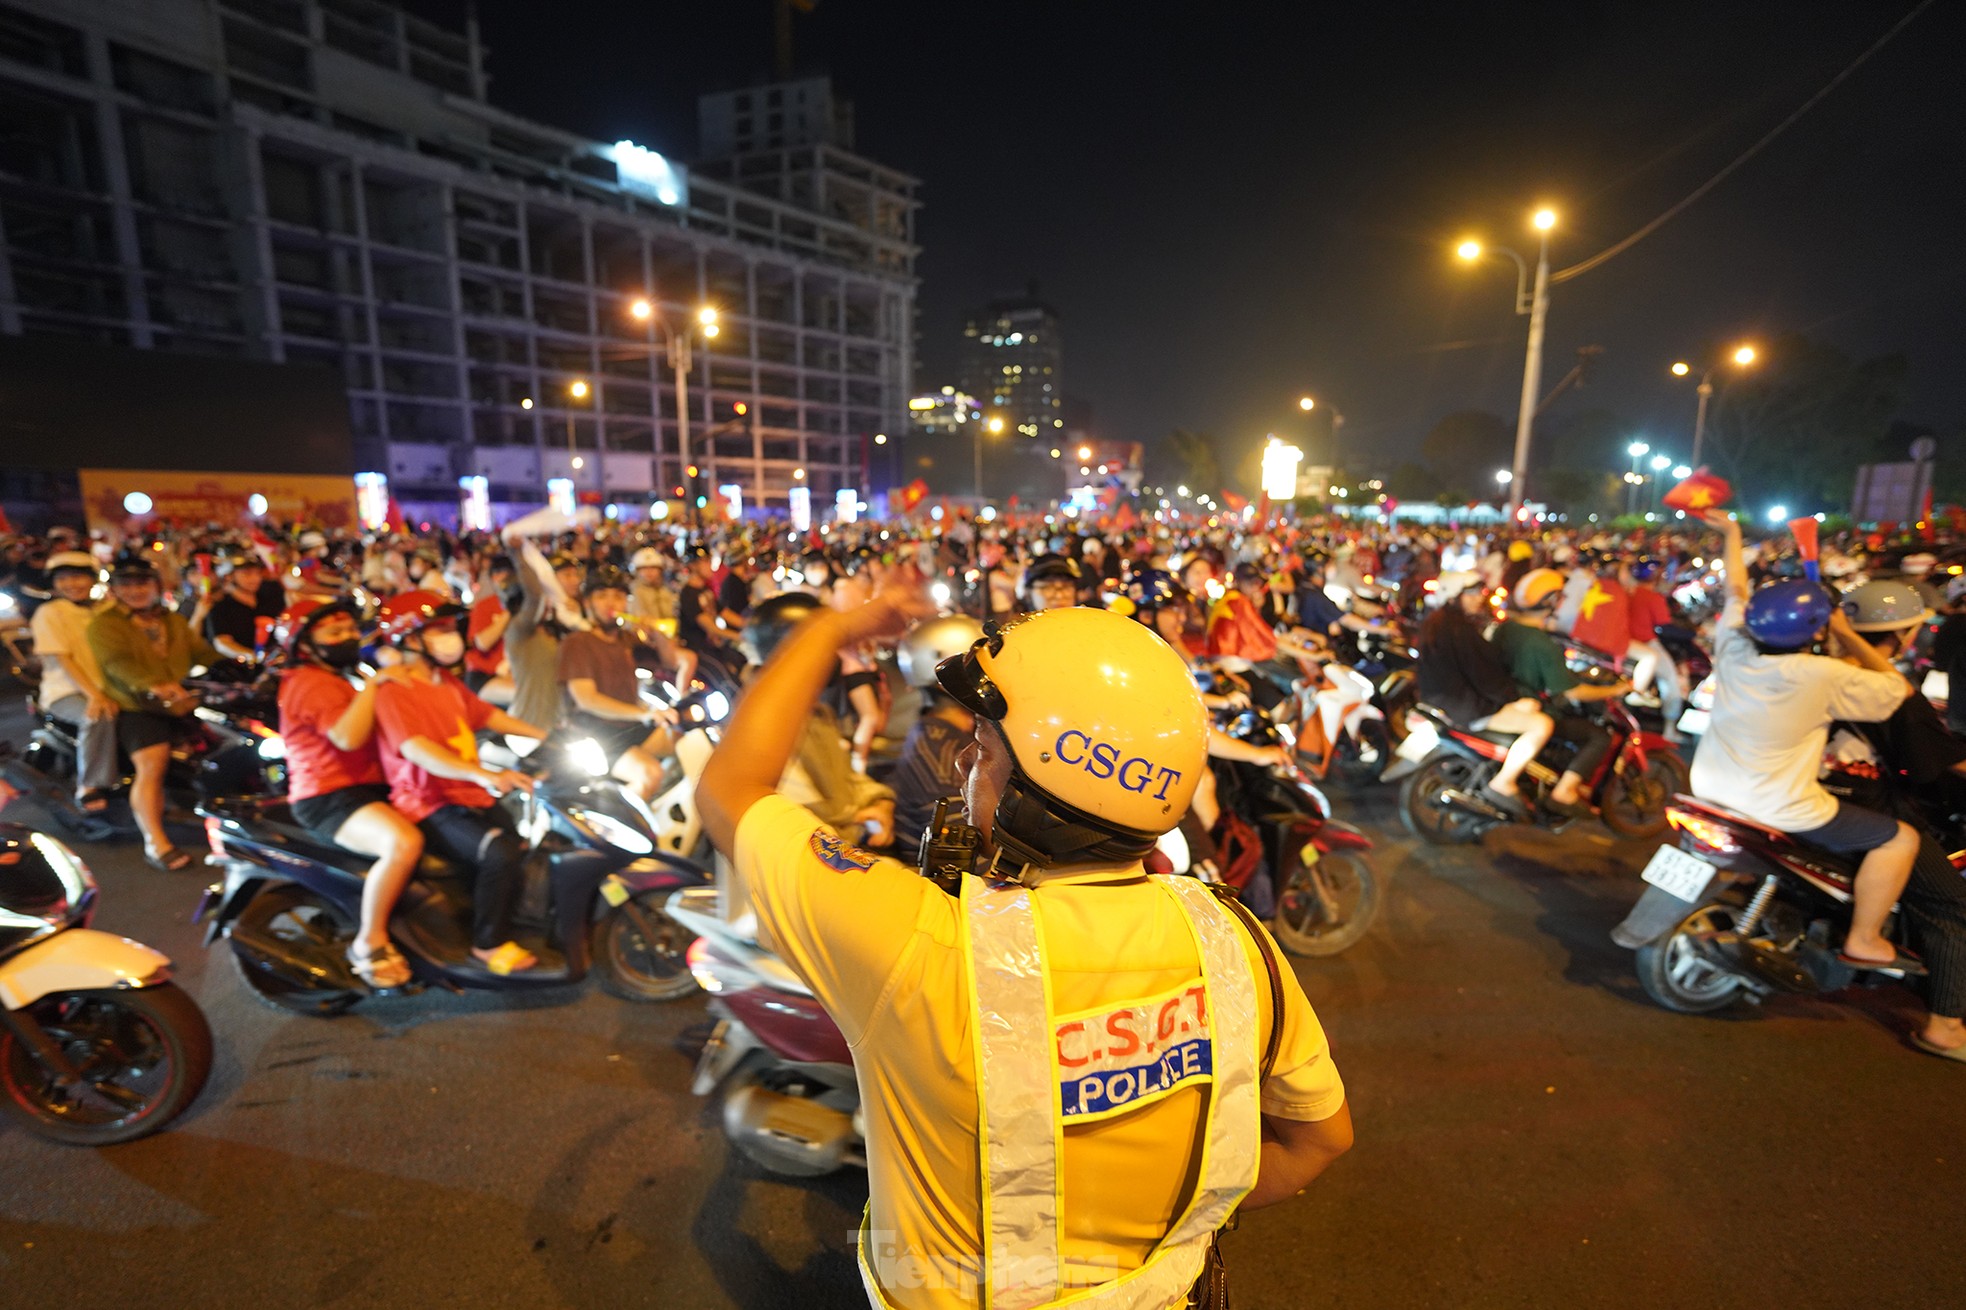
<point x="1694" y="722"/>
<point x="1674" y="871"/>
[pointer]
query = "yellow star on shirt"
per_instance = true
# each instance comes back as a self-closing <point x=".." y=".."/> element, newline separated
<point x="1593" y="598"/>
<point x="465" y="744"/>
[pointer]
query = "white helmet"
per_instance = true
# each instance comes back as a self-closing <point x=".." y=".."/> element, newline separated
<point x="1884" y="606"/>
<point x="1105" y="727"/>
<point x="929" y="643"/>
<point x="1452" y="583"/>
<point x="73" y="559"/>
<point x="648" y="557"/>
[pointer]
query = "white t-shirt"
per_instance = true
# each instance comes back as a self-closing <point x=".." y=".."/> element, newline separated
<point x="61" y="627"/>
<point x="1764" y="746"/>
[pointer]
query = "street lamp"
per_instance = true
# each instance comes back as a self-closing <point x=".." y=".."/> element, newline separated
<point x="1306" y="404"/>
<point x="1536" y="304"/>
<point x="576" y="390"/>
<point x="1741" y="357"/>
<point x="1504" y="477"/>
<point x="994" y="425"/>
<point x="1634" y="479"/>
<point x="644" y="310"/>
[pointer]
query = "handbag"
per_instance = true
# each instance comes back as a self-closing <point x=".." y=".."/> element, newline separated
<point x="1211" y="1289"/>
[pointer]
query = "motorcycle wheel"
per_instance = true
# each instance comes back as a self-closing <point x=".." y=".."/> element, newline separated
<point x="304" y="924"/>
<point x="1352" y="764"/>
<point x="640" y="956"/>
<point x="1428" y="816"/>
<point x="1304" y="926"/>
<point x="147" y="1052"/>
<point x="1636" y="807"/>
<point x="1677" y="974"/>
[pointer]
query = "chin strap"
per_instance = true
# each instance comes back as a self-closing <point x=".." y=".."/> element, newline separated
<point x="1034" y="832"/>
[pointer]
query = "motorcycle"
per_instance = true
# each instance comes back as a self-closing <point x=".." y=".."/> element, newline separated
<point x="17" y="658"/>
<point x="791" y="1102"/>
<point x="289" y="905"/>
<point x="1327" y="894"/>
<point x="1441" y="799"/>
<point x="97" y="1044"/>
<point x="1735" y="911"/>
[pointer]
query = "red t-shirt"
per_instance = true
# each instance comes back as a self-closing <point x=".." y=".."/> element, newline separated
<point x="1648" y="610"/>
<point x="483" y="611"/>
<point x="311" y="702"/>
<point x="447" y="713"/>
<point x="1604" y="618"/>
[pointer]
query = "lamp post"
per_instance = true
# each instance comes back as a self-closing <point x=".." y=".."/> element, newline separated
<point x="995" y="424"/>
<point x="1660" y="463"/>
<point x="1536" y="304"/>
<point x="579" y="390"/>
<point x="680" y="362"/>
<point x="1741" y="357"/>
<point x="1309" y="403"/>
<point x="1633" y="479"/>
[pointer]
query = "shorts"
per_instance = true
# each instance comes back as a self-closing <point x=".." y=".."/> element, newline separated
<point x="323" y="815"/>
<point x="140" y="729"/>
<point x="616" y="736"/>
<point x="1853" y="831"/>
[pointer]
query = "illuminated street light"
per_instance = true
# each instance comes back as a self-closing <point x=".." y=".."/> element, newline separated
<point x="1741" y="357"/>
<point x="880" y="438"/>
<point x="1744" y="356"/>
<point x="798" y="475"/>
<point x="1180" y="491"/>
<point x="1777" y="513"/>
<point x="1306" y="404"/>
<point x="1681" y="369"/>
<point x="1085" y="452"/>
<point x="1682" y="472"/>
<point x="1661" y="462"/>
<point x="1504" y="476"/>
<point x="995" y="425"/>
<point x="1534" y="302"/>
<point x="641" y="310"/>
<point x="579" y="463"/>
<point x="1637" y="448"/>
<point x="526" y="403"/>
<point x="577" y="389"/>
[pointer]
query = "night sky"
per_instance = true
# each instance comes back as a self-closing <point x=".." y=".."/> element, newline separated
<point x="1235" y="205"/>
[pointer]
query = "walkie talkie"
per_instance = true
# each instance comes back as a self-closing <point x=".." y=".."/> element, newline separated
<point x="949" y="848"/>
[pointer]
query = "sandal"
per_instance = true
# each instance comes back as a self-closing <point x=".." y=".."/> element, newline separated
<point x="1904" y="963"/>
<point x="94" y="801"/>
<point x="381" y="967"/>
<point x="170" y="860"/>
<point x="1956" y="1053"/>
<point x="507" y="959"/>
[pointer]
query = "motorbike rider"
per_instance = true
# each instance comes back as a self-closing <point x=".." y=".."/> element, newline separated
<point x="1051" y="581"/>
<point x="987" y="1179"/>
<point x="697" y="629"/>
<point x="335" y="783"/>
<point x="145" y="652"/>
<point x="1906" y="766"/>
<point x="927" y="769"/>
<point x="1647" y="611"/>
<point x="1535" y="660"/>
<point x="1464" y="677"/>
<point x="71" y="681"/>
<point x="484" y="655"/>
<point x="236" y="618"/>
<point x="425" y="727"/>
<point x="1773" y="704"/>
<point x="597" y="668"/>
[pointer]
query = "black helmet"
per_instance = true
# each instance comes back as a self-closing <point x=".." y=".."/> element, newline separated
<point x="606" y="577"/>
<point x="133" y="565"/>
<point x="770" y="622"/>
<point x="561" y="560"/>
<point x="234" y="560"/>
<point x="1047" y="567"/>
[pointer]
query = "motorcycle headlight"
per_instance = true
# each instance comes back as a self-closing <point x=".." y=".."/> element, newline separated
<point x="586" y="755"/>
<point x="607" y="828"/>
<point x="940" y="592"/>
<point x="718" y="706"/>
<point x="273" y="747"/>
<point x="6" y="603"/>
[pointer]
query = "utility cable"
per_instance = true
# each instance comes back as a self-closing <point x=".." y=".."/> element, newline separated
<point x="1612" y="252"/>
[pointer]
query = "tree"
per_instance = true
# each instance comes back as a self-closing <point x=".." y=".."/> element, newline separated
<point x="1794" y="429"/>
<point x="1190" y="459"/>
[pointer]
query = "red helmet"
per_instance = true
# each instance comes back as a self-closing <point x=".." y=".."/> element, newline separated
<point x="299" y="618"/>
<point x="412" y="612"/>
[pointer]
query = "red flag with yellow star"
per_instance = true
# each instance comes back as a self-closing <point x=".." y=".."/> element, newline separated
<point x="1702" y="491"/>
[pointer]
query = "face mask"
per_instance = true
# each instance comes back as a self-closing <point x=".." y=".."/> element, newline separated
<point x="446" y="648"/>
<point x="341" y="654"/>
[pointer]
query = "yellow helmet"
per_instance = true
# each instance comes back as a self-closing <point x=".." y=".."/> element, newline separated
<point x="1537" y="587"/>
<point x="1104" y="724"/>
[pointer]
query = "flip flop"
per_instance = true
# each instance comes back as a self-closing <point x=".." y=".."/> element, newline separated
<point x="1513" y="804"/>
<point x="508" y="959"/>
<point x="170" y="860"/>
<point x="1567" y="809"/>
<point x="1957" y="1054"/>
<point x="1904" y="962"/>
<point x="381" y="968"/>
<point x="93" y="801"/>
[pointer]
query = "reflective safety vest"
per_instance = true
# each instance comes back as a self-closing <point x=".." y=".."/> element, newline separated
<point x="1025" y="1100"/>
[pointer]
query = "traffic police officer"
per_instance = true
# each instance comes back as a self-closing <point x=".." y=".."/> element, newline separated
<point x="1059" y="1066"/>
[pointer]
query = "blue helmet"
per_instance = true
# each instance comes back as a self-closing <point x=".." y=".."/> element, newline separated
<point x="1644" y="568"/>
<point x="1787" y="615"/>
<point x="1151" y="589"/>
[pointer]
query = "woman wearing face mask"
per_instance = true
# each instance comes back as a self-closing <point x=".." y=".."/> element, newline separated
<point x="335" y="783"/>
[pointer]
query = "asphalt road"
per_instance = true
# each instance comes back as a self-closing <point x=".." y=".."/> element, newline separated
<point x="1531" y="1132"/>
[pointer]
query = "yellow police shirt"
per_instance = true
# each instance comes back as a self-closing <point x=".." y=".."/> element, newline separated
<point x="881" y="947"/>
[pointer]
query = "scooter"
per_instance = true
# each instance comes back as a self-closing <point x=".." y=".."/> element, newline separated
<point x="289" y="905"/>
<point x="791" y="1100"/>
<point x="17" y="658"/>
<point x="1441" y="799"/>
<point x="97" y="1044"/>
<point x="1736" y="911"/>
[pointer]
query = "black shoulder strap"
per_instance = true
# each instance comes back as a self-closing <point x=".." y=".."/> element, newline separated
<point x="1227" y="895"/>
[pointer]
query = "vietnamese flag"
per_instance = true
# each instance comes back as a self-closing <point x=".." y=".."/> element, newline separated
<point x="1703" y="491"/>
